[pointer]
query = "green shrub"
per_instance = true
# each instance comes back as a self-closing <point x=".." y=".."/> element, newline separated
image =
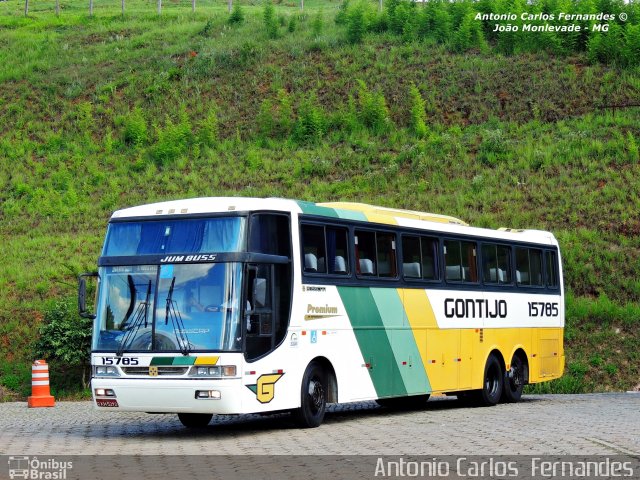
<point x="311" y="122"/>
<point x="630" y="54"/>
<point x="567" y="384"/>
<point x="373" y="112"/>
<point x="577" y="369"/>
<point x="65" y="338"/>
<point x="275" y="120"/>
<point x="266" y="122"/>
<point x="316" y="24"/>
<point x="418" y="115"/>
<point x="134" y="127"/>
<point x="84" y="118"/>
<point x="237" y="15"/>
<point x="269" y="19"/>
<point x="341" y="16"/>
<point x="402" y="17"/>
<point x="208" y="29"/>
<point x="208" y="128"/>
<point x="173" y="140"/>
<point x="469" y="35"/>
<point x="292" y="25"/>
<point x="356" y="23"/>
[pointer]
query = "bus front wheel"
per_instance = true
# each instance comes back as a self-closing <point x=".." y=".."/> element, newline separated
<point x="195" y="420"/>
<point x="313" y="397"/>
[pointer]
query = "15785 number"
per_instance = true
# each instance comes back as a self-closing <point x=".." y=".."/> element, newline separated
<point x="119" y="361"/>
<point x="543" y="309"/>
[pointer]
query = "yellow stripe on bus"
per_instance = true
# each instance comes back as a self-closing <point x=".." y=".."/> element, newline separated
<point x="207" y="360"/>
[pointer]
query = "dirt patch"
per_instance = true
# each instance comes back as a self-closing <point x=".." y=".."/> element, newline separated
<point x="8" y="395"/>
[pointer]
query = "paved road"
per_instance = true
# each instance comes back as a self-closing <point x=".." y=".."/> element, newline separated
<point x="602" y="424"/>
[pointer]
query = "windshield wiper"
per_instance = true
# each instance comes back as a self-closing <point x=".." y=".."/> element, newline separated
<point x="132" y="294"/>
<point x="139" y="318"/>
<point x="173" y="313"/>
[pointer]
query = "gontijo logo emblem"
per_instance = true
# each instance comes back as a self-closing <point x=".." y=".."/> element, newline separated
<point x="265" y="387"/>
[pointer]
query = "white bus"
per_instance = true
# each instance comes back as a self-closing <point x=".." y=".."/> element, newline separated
<point x="244" y="305"/>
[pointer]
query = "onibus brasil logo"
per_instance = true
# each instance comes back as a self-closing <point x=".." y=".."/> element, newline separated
<point x="36" y="469"/>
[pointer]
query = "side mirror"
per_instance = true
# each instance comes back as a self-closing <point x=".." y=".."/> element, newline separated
<point x="259" y="292"/>
<point x="82" y="295"/>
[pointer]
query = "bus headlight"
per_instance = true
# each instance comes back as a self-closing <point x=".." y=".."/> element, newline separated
<point x="216" y="371"/>
<point x="104" y="392"/>
<point x="105" y="371"/>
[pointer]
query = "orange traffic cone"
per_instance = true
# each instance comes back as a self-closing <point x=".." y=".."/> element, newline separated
<point x="40" y="394"/>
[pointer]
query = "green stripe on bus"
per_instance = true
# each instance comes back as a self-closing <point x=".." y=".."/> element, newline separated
<point x="372" y="340"/>
<point x="173" y="361"/>
<point x="184" y="360"/>
<point x="312" y="209"/>
<point x="351" y="215"/>
<point x="402" y="340"/>
<point x="161" y="361"/>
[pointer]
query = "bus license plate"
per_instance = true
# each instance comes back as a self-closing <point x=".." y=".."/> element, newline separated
<point x="106" y="402"/>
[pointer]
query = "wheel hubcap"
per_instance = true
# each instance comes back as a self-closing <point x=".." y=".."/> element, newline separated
<point x="515" y="377"/>
<point x="491" y="385"/>
<point x="316" y="394"/>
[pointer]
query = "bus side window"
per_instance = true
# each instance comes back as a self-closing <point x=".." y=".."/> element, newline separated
<point x="325" y="249"/>
<point x="337" y="250"/>
<point x="386" y="254"/>
<point x="529" y="266"/>
<point x="496" y="263"/>
<point x="313" y="249"/>
<point x="552" y="269"/>
<point x="419" y="257"/>
<point x="429" y="248"/>
<point x="460" y="261"/>
<point x="268" y="302"/>
<point x="269" y="233"/>
<point x="411" y="258"/>
<point x="365" y="253"/>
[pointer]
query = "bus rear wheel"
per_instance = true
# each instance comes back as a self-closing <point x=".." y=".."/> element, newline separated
<point x="492" y="385"/>
<point x="514" y="380"/>
<point x="195" y="420"/>
<point x="313" y="398"/>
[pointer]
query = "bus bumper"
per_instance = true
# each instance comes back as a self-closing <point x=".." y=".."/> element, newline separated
<point x="167" y="396"/>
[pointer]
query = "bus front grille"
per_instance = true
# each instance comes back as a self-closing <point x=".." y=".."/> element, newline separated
<point x="156" y="371"/>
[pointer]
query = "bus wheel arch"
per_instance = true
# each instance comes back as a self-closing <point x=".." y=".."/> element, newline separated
<point x="331" y="378"/>
<point x="516" y="377"/>
<point x="318" y="387"/>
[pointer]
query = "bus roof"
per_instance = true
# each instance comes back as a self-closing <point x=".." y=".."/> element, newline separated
<point x="344" y="210"/>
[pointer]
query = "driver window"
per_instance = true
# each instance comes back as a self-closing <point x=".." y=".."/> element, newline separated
<point x="269" y="294"/>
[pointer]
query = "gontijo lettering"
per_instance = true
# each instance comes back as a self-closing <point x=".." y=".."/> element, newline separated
<point x="474" y="308"/>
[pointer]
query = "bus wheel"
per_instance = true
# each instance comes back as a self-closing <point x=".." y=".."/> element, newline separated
<point x="313" y="398"/>
<point x="195" y="420"/>
<point x="492" y="386"/>
<point x="514" y="380"/>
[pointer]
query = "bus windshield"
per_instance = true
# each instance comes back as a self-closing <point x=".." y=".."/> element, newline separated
<point x="199" y="235"/>
<point x="182" y="307"/>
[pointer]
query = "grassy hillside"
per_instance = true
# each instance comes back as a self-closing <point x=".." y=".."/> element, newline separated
<point x="103" y="112"/>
